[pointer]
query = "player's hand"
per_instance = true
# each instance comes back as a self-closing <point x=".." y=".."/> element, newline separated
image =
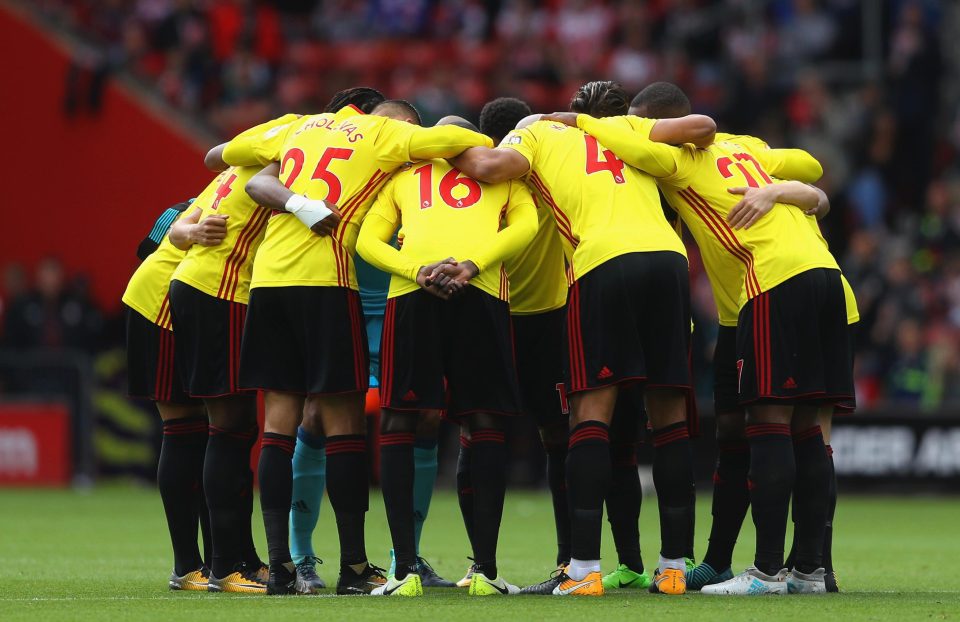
<point x="210" y="231"/>
<point x="329" y="224"/>
<point x="425" y="277"/>
<point x="755" y="203"/>
<point x="566" y="118"/>
<point x="452" y="279"/>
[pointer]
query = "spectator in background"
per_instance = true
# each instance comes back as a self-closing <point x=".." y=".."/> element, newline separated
<point x="51" y="317"/>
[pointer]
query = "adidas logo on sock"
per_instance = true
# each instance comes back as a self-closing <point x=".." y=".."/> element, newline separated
<point x="604" y="373"/>
<point x="410" y="396"/>
<point x="299" y="506"/>
<point x="790" y="383"/>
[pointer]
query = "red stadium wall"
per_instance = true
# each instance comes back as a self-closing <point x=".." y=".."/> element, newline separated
<point x="85" y="188"/>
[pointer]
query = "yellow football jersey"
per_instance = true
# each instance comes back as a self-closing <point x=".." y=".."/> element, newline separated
<point x="443" y="213"/>
<point x="224" y="270"/>
<point x="853" y="312"/>
<point x="538" y="277"/>
<point x="147" y="290"/>
<point x="602" y="208"/>
<point x="344" y="158"/>
<point x="696" y="183"/>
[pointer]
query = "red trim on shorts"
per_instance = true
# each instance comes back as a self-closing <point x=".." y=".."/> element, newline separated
<point x="629" y="380"/>
<point x="361" y="373"/>
<point x="578" y="373"/>
<point x="386" y="353"/>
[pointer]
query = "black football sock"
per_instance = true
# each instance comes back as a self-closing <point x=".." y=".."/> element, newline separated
<point x="247" y="547"/>
<point x="396" y="482"/>
<point x="731" y="499"/>
<point x="623" y="504"/>
<point x="832" y="509"/>
<point x="205" y="534"/>
<point x="676" y="495"/>
<point x="347" y="486"/>
<point x="588" y="478"/>
<point x="276" y="493"/>
<point x="179" y="477"/>
<point x="812" y="497"/>
<point x="465" y="487"/>
<point x="557" y="480"/>
<point x="771" y="479"/>
<point x="224" y="479"/>
<point x="488" y="472"/>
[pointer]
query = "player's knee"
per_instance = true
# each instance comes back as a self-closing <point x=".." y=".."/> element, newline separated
<point x="428" y="426"/>
<point x="555" y="434"/>
<point x="485" y="421"/>
<point x="731" y="426"/>
<point x="394" y="421"/>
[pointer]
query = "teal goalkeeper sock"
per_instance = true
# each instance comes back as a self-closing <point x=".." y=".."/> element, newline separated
<point x="424" y="477"/>
<point x="309" y="481"/>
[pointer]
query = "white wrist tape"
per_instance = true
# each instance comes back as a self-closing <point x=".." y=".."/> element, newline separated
<point x="307" y="211"/>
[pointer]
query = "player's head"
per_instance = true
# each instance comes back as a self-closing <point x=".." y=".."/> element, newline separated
<point x="363" y="97"/>
<point x="458" y="121"/>
<point x="500" y="116"/>
<point x="399" y="109"/>
<point x="661" y="100"/>
<point x="602" y="98"/>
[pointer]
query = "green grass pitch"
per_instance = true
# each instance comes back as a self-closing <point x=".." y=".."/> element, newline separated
<point x="105" y="555"/>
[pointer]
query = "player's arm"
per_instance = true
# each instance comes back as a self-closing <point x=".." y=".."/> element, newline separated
<point x="374" y="246"/>
<point x="321" y="217"/>
<point x="492" y="165"/>
<point x="697" y="129"/>
<point x="189" y="230"/>
<point x="794" y="164"/>
<point x="629" y="139"/>
<point x="443" y="141"/>
<point x="756" y="202"/>
<point x="520" y="229"/>
<point x="214" y="159"/>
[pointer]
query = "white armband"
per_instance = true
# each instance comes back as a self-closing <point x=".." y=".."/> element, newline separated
<point x="307" y="211"/>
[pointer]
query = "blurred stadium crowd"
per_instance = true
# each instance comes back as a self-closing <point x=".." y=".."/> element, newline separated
<point x="865" y="86"/>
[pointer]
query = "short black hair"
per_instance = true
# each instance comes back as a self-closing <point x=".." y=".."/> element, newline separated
<point x="601" y="98"/>
<point x="403" y="106"/>
<point x="459" y="122"/>
<point x="363" y="97"/>
<point x="662" y="100"/>
<point x="499" y="116"/>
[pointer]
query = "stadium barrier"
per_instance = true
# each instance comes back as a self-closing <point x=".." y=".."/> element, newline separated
<point x="35" y="444"/>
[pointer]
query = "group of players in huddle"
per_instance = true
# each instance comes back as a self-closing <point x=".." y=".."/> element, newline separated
<point x="540" y="277"/>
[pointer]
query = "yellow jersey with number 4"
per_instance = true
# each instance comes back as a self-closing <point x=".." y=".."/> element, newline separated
<point x="602" y="207"/>
<point x="224" y="271"/>
<point x="696" y="183"/>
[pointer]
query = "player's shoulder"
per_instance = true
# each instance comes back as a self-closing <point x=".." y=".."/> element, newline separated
<point x="743" y="140"/>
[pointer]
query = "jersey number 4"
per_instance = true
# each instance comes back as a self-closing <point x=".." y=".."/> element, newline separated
<point x="295" y="158"/>
<point x="448" y="182"/>
<point x="610" y="163"/>
<point x="725" y="164"/>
